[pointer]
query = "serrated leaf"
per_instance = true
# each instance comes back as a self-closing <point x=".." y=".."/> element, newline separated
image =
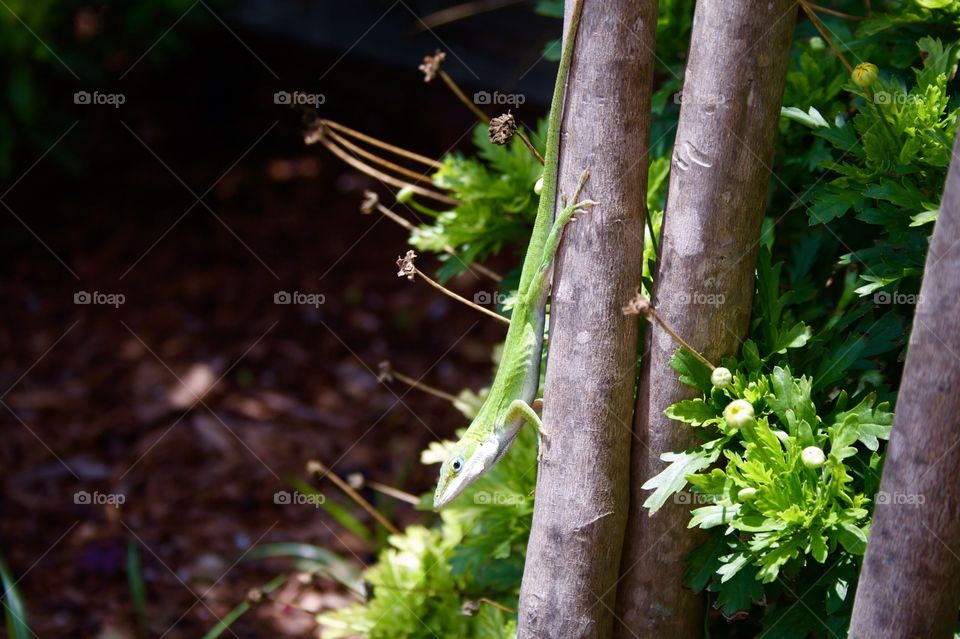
<point x="673" y="478"/>
<point x="818" y="546"/>
<point x="692" y="371"/>
<point x="692" y="411"/>
<point x="795" y="337"/>
<point x="703" y="563"/>
<point x="739" y="592"/>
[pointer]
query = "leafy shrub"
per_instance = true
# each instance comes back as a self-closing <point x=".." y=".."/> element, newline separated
<point x="788" y="495"/>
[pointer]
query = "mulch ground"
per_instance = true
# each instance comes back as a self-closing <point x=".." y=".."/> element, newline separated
<point x="198" y="398"/>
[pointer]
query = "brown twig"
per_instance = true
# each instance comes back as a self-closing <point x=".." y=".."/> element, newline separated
<point x="320" y="471"/>
<point x="380" y="175"/>
<point x="409" y="270"/>
<point x="387" y="373"/>
<point x="359" y="482"/>
<point x="434" y="68"/>
<point x="824" y="32"/>
<point x="834" y="12"/>
<point x="640" y="305"/>
<point x="498" y="606"/>
<point x="373" y="157"/>
<point x="396" y="150"/>
<point x="461" y="11"/>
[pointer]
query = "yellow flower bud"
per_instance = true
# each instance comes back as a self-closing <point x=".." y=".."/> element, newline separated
<point x="865" y="74"/>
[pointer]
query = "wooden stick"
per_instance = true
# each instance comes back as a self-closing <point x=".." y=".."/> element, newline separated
<point x="316" y="468"/>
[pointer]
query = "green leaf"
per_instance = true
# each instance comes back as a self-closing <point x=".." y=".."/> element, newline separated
<point x="552" y="50"/>
<point x="228" y="619"/>
<point x="550" y="8"/>
<point x="138" y="588"/>
<point x="853" y="538"/>
<point x="15" y="610"/>
<point x="740" y="591"/>
<point x="810" y="118"/>
<point x="751" y="356"/>
<point x="704" y="562"/>
<point x="673" y="478"/>
<point x="692" y="371"/>
<point x="795" y="337"/>
<point x="713" y="515"/>
<point x="924" y="217"/>
<point x="831" y="202"/>
<point x="692" y="411"/>
<point x="818" y="546"/>
<point x="934" y="4"/>
<point x="791" y="395"/>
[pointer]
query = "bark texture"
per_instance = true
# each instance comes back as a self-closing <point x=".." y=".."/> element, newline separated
<point x="910" y="582"/>
<point x="582" y="490"/>
<point x="704" y="282"/>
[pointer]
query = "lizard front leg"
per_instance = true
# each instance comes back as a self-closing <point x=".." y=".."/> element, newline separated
<point x="520" y="409"/>
<point x="556" y="233"/>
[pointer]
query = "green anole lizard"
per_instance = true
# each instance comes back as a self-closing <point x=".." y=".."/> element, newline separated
<point x="507" y="406"/>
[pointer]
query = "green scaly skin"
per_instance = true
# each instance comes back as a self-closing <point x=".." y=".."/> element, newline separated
<point x="507" y="406"/>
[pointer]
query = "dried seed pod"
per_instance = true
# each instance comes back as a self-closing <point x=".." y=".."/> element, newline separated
<point x="502" y="128"/>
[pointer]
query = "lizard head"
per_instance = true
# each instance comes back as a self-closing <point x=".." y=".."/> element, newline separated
<point x="467" y="461"/>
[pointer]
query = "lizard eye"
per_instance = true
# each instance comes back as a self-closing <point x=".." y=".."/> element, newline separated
<point x="456" y="465"/>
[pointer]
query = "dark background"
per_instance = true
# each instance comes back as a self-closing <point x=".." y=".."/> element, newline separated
<point x="106" y="199"/>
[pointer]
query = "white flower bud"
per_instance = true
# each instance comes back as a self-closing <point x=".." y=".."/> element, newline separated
<point x="721" y="377"/>
<point x="738" y="414"/>
<point x="813" y="457"/>
<point x="538" y="187"/>
<point x="746" y="494"/>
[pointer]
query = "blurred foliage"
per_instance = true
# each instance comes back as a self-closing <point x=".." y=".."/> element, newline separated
<point x="53" y="48"/>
